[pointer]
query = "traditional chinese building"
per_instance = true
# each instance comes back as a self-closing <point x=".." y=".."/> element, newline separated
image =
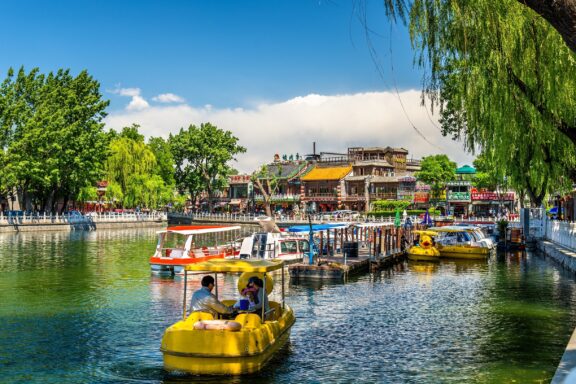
<point x="287" y="176"/>
<point x="324" y="185"/>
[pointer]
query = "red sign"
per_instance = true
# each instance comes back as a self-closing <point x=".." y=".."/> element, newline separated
<point x="421" y="197"/>
<point x="493" y="196"/>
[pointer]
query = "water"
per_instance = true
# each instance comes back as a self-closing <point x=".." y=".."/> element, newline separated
<point x="83" y="308"/>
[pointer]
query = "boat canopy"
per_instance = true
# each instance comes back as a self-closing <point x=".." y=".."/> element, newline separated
<point x="199" y="229"/>
<point x="427" y="233"/>
<point x="449" y="229"/>
<point x="315" y="227"/>
<point x="224" y="265"/>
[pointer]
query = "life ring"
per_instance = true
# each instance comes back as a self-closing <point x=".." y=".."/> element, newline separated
<point x="243" y="281"/>
<point x="218" y="325"/>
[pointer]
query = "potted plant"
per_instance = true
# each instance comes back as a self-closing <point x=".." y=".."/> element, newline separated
<point x="502" y="227"/>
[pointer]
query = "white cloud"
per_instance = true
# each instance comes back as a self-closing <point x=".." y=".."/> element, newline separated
<point x="333" y="122"/>
<point x="137" y="103"/>
<point x="168" y="98"/>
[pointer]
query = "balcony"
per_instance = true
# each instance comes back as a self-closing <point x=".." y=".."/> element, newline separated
<point x="354" y="198"/>
<point x="383" y="196"/>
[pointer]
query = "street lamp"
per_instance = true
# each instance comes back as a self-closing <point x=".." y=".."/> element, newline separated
<point x="310" y="210"/>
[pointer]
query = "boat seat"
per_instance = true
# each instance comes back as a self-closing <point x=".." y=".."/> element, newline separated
<point x="198" y="253"/>
<point x="197" y="316"/>
<point x="248" y="320"/>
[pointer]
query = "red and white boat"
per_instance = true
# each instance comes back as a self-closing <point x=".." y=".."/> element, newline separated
<point x="181" y="245"/>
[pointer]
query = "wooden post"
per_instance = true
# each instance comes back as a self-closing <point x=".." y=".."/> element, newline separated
<point x="321" y="244"/>
<point x="380" y="240"/>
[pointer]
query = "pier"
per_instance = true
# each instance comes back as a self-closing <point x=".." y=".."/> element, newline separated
<point x="348" y="251"/>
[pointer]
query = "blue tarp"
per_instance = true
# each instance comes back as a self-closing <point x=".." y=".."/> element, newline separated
<point x="315" y="227"/>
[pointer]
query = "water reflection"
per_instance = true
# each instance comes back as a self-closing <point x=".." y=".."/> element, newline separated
<point x="83" y="307"/>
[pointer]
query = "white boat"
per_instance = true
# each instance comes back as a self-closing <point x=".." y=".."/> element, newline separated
<point x="180" y="246"/>
<point x="271" y="243"/>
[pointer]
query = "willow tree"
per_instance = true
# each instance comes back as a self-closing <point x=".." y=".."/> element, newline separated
<point x="504" y="81"/>
<point x="130" y="163"/>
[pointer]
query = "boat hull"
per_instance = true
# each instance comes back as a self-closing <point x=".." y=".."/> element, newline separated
<point x="464" y="252"/>
<point x="417" y="252"/>
<point x="206" y="352"/>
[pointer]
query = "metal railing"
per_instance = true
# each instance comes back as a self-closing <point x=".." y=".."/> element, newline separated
<point x="29" y="218"/>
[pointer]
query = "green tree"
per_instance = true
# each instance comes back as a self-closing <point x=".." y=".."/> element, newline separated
<point x="201" y="155"/>
<point x="51" y="133"/>
<point x="266" y="181"/>
<point x="130" y="165"/>
<point x="504" y="80"/>
<point x="436" y="171"/>
<point x="164" y="160"/>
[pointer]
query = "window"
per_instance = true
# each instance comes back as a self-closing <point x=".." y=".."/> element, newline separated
<point x="288" y="247"/>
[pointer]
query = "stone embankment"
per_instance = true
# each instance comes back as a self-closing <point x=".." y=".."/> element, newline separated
<point x="567" y="258"/>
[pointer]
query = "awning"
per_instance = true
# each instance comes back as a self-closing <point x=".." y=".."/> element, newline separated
<point x="235" y="202"/>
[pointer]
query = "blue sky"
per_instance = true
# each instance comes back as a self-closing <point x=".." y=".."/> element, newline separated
<point x="212" y="57"/>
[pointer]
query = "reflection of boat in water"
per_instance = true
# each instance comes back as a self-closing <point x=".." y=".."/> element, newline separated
<point x="425" y="249"/>
<point x="461" y="243"/>
<point x="423" y="267"/>
<point x="176" y="247"/>
<point x="241" y="346"/>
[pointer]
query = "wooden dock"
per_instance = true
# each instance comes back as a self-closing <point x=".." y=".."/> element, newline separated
<point x="336" y="268"/>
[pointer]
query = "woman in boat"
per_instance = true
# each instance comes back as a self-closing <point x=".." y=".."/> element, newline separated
<point x="260" y="298"/>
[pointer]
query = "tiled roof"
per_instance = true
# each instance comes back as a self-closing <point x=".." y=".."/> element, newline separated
<point x="327" y="173"/>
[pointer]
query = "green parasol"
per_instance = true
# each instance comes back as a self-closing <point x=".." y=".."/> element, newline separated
<point x="397" y="221"/>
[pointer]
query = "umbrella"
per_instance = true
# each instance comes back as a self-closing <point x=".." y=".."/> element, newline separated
<point x="397" y="219"/>
<point x="427" y="220"/>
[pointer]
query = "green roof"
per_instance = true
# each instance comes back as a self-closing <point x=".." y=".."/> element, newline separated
<point x="466" y="169"/>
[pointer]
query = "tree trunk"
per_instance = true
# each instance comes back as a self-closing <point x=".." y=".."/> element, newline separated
<point x="561" y="14"/>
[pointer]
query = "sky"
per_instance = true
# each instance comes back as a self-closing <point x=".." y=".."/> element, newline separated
<point x="279" y="75"/>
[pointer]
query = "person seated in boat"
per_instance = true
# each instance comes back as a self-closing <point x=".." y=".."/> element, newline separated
<point x="249" y="294"/>
<point x="203" y="300"/>
<point x="261" y="297"/>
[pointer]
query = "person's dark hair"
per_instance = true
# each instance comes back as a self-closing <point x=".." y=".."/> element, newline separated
<point x="207" y="280"/>
<point x="253" y="279"/>
<point x="259" y="283"/>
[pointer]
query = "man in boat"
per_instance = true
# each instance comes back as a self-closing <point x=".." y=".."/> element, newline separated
<point x="204" y="300"/>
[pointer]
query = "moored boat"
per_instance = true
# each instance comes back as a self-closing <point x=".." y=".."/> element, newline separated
<point x="177" y="248"/>
<point x="425" y="249"/>
<point x="460" y="243"/>
<point x="199" y="344"/>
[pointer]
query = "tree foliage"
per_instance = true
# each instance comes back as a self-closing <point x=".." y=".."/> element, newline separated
<point x="504" y="81"/>
<point x="201" y="156"/>
<point x="51" y="133"/>
<point x="133" y="172"/>
<point x="436" y="171"/>
<point x="266" y="181"/>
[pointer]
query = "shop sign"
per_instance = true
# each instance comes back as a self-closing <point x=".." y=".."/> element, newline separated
<point x="493" y="196"/>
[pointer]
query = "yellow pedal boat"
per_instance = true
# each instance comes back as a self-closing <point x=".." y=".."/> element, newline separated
<point x="425" y="250"/>
<point x="229" y="352"/>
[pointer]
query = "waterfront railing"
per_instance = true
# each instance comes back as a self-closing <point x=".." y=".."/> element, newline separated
<point x="24" y="218"/>
<point x="562" y="233"/>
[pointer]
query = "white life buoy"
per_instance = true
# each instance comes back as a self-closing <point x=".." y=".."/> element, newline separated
<point x="218" y="325"/>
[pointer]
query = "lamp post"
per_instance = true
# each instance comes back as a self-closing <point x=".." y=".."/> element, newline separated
<point x="310" y="209"/>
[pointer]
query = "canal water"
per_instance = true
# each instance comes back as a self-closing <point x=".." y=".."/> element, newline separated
<point x="82" y="307"/>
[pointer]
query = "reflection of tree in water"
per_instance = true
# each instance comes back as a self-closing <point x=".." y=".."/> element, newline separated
<point x="527" y="318"/>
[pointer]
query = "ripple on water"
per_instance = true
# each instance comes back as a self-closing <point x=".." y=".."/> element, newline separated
<point x="84" y="308"/>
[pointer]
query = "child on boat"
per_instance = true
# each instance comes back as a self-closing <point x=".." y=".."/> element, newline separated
<point x="249" y="294"/>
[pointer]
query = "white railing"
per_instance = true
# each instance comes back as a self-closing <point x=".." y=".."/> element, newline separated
<point x="93" y="217"/>
<point x="562" y="233"/>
